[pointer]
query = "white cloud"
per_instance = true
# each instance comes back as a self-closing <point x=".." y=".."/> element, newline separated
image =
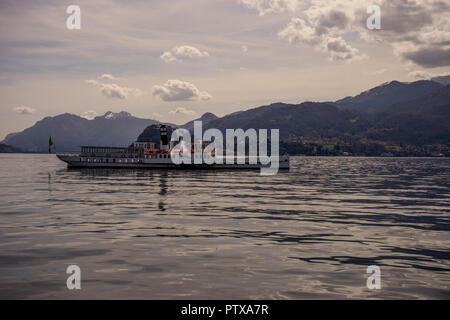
<point x="115" y="91"/>
<point x="90" y="114"/>
<point x="298" y="31"/>
<point x="271" y="6"/>
<point x="112" y="90"/>
<point x="93" y="82"/>
<point x="419" y="74"/>
<point x="377" y="72"/>
<point x="182" y="110"/>
<point x="419" y="30"/>
<point x="168" y="57"/>
<point x="189" y="52"/>
<point x="177" y="90"/>
<point x="107" y="76"/>
<point x="244" y="49"/>
<point x="339" y="49"/>
<point x="156" y="115"/>
<point x="24" y="110"/>
<point x="180" y="52"/>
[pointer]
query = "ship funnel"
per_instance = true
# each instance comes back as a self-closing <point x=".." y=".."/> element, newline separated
<point x="164" y="141"/>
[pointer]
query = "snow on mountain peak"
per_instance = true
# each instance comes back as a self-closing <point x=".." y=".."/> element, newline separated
<point x="119" y="115"/>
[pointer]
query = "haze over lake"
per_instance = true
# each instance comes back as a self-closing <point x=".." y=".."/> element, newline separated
<point x="309" y="232"/>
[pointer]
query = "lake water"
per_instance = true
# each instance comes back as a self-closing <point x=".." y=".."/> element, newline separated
<point x="307" y="233"/>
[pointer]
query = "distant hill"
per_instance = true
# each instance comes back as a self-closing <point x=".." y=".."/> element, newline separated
<point x="4" y="148"/>
<point x="381" y="98"/>
<point x="445" y="80"/>
<point x="308" y="119"/>
<point x="428" y="103"/>
<point x="70" y="131"/>
<point x="205" y="118"/>
<point x="152" y="134"/>
<point x="425" y="120"/>
<point x="408" y="127"/>
<point x="393" y="118"/>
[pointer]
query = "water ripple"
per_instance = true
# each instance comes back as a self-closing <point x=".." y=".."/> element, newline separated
<point x="309" y="232"/>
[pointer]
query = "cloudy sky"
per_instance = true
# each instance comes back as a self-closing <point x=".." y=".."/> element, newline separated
<point x="174" y="60"/>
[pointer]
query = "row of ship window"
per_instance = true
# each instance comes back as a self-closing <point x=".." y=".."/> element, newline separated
<point x="107" y="160"/>
<point x="157" y="156"/>
<point x="101" y="150"/>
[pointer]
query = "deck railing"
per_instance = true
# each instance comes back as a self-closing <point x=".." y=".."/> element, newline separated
<point x="68" y="154"/>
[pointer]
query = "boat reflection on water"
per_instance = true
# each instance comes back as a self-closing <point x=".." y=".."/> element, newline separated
<point x="154" y="177"/>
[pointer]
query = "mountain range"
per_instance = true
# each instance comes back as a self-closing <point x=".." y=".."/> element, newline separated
<point x="392" y="119"/>
<point x="422" y="120"/>
<point x="395" y="118"/>
<point x="4" y="148"/>
<point x="445" y="80"/>
<point x="383" y="97"/>
<point x="70" y="131"/>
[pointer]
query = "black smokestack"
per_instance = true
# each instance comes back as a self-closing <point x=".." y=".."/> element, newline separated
<point x="163" y="135"/>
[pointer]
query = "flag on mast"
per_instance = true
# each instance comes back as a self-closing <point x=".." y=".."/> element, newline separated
<point x="50" y="144"/>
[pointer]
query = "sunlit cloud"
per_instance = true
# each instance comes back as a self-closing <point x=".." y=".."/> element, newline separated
<point x="112" y="90"/>
<point x="183" y="111"/>
<point x="271" y="6"/>
<point x="182" y="52"/>
<point x="90" y="114"/>
<point x="107" y="76"/>
<point x="156" y="115"/>
<point x="177" y="90"/>
<point x="380" y="71"/>
<point x="418" y="31"/>
<point x="297" y="31"/>
<point x="24" y="110"/>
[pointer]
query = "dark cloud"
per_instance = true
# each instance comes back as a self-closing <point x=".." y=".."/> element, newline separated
<point x="333" y="19"/>
<point x="403" y="16"/>
<point x="400" y="19"/>
<point x="429" y="57"/>
<point x="339" y="49"/>
<point x="440" y="6"/>
<point x="417" y="29"/>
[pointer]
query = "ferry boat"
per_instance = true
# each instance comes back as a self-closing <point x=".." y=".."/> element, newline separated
<point x="145" y="154"/>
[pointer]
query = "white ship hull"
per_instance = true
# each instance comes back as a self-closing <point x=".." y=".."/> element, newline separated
<point x="77" y="161"/>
